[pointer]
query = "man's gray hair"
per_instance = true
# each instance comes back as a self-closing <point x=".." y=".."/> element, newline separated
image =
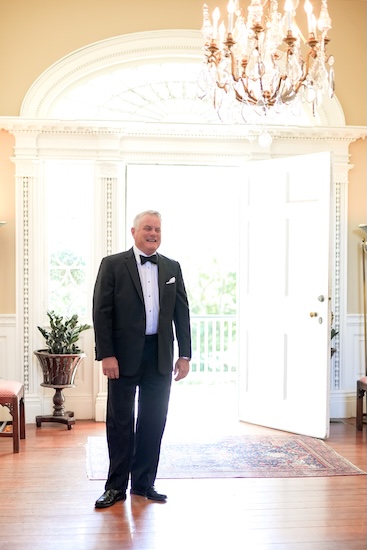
<point x="138" y="217"/>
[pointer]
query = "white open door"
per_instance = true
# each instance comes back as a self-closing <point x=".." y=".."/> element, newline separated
<point x="284" y="294"/>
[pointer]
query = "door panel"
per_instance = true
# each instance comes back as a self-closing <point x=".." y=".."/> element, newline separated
<point x="284" y="278"/>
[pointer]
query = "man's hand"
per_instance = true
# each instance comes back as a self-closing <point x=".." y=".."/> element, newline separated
<point x="182" y="368"/>
<point x="110" y="367"/>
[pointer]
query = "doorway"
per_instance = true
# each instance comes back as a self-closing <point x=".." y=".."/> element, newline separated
<point x="279" y="284"/>
<point x="200" y="228"/>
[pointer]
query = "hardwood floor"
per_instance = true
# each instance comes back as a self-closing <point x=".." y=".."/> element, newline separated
<point x="48" y="502"/>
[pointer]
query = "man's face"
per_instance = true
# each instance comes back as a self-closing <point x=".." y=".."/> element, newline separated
<point x="148" y="235"/>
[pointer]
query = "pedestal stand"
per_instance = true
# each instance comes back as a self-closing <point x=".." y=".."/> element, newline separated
<point x="59" y="371"/>
<point x="59" y="414"/>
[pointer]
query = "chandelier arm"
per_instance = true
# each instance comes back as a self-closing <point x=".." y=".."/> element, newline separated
<point x="310" y="54"/>
<point x="240" y="98"/>
<point x="273" y="97"/>
<point x="252" y="99"/>
<point x="214" y="53"/>
<point x="222" y="86"/>
<point x="233" y="63"/>
<point x="214" y="57"/>
<point x="236" y="79"/>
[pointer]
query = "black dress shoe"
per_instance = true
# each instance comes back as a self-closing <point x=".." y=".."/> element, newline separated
<point x="149" y="493"/>
<point x="109" y="497"/>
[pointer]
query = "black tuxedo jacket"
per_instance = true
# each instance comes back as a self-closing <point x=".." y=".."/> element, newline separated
<point x="119" y="312"/>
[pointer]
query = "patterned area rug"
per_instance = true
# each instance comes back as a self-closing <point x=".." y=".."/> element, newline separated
<point x="237" y="456"/>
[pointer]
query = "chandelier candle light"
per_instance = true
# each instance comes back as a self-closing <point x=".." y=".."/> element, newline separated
<point x="256" y="65"/>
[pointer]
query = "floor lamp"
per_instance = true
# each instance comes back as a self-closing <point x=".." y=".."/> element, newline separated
<point x="363" y="226"/>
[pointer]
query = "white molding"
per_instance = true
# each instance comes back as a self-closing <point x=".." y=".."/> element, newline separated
<point x="29" y="131"/>
<point x="354" y="358"/>
<point x="33" y="407"/>
<point x="7" y="320"/>
<point x="342" y="404"/>
<point x="101" y="406"/>
<point x="134" y="49"/>
<point x="130" y="49"/>
<point x="9" y="369"/>
<point x="79" y="403"/>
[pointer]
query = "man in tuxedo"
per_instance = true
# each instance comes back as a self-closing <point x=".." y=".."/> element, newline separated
<point x="139" y="296"/>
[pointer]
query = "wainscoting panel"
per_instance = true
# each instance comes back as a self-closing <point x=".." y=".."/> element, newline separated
<point x="342" y="402"/>
<point x="8" y="368"/>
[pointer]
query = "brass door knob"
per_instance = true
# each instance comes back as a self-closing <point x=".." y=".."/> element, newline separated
<point x="313" y="314"/>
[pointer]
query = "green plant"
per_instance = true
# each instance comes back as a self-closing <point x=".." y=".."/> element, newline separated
<point x="63" y="334"/>
<point x="333" y="332"/>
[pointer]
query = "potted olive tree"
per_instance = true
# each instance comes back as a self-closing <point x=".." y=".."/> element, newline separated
<point x="60" y="361"/>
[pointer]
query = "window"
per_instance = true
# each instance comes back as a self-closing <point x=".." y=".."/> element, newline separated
<point x="68" y="229"/>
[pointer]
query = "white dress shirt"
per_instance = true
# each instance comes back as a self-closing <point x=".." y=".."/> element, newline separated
<point x="149" y="281"/>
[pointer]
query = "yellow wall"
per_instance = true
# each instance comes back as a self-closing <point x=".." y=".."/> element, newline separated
<point x="34" y="34"/>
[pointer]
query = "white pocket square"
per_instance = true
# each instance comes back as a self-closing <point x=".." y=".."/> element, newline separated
<point x="171" y="281"/>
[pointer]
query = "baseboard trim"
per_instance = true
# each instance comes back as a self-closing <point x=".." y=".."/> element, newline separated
<point x="342" y="404"/>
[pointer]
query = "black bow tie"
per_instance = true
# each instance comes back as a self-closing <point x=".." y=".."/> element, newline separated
<point x="145" y="259"/>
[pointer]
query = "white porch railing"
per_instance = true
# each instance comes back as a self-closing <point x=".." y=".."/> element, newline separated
<point x="214" y="348"/>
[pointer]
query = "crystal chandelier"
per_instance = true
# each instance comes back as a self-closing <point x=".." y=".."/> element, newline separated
<point x="256" y="66"/>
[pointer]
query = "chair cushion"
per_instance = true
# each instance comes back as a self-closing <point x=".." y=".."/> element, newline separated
<point x="10" y="388"/>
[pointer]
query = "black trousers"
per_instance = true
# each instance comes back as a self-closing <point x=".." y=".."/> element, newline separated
<point x="134" y="437"/>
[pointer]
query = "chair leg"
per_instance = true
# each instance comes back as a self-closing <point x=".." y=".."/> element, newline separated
<point x="12" y="397"/>
<point x="359" y="411"/>
<point x="15" y="413"/>
<point x="22" y="418"/>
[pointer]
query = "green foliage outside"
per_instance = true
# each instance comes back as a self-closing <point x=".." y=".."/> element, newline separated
<point x="67" y="278"/>
<point x="213" y="292"/>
